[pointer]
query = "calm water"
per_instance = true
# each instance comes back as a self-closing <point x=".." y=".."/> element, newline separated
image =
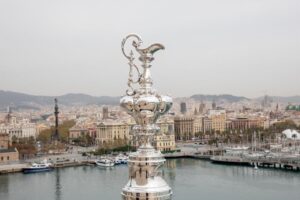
<point x="190" y="180"/>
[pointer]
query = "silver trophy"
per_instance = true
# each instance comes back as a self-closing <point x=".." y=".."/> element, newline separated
<point x="145" y="105"/>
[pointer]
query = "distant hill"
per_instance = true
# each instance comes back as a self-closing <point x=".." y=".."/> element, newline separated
<point x="222" y="97"/>
<point x="20" y="100"/>
<point x="26" y="101"/>
<point x="290" y="99"/>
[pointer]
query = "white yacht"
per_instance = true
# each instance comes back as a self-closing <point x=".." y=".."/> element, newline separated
<point x="121" y="159"/>
<point x="105" y="163"/>
<point x="43" y="166"/>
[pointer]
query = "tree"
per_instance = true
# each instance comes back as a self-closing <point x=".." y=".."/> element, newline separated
<point x="84" y="140"/>
<point x="63" y="129"/>
<point x="14" y="139"/>
<point x="45" y="136"/>
<point x="281" y="126"/>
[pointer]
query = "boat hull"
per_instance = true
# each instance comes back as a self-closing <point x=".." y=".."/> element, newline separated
<point x="31" y="171"/>
<point x="228" y="162"/>
<point x="105" y="165"/>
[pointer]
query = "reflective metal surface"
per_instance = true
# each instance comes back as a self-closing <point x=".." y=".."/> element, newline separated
<point x="145" y="105"/>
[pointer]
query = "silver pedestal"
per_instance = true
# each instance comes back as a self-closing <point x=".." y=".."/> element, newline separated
<point x="145" y="105"/>
<point x="145" y="178"/>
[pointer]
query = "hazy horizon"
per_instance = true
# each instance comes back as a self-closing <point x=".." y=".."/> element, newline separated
<point x="243" y="48"/>
<point x="174" y="96"/>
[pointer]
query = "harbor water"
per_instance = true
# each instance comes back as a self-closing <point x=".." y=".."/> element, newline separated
<point x="190" y="179"/>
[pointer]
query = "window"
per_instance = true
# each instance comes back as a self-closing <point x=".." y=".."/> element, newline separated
<point x="7" y="157"/>
<point x="1" y="158"/>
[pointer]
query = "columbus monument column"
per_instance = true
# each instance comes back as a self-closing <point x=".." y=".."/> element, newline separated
<point x="145" y="105"/>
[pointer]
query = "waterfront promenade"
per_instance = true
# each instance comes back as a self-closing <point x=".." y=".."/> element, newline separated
<point x="68" y="159"/>
<point x="191" y="179"/>
<point x="12" y="168"/>
<point x="187" y="150"/>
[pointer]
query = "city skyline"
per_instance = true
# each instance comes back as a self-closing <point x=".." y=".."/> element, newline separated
<point x="149" y="100"/>
<point x="174" y="96"/>
<point x="241" y="48"/>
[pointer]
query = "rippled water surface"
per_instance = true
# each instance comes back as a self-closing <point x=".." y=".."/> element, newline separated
<point x="190" y="180"/>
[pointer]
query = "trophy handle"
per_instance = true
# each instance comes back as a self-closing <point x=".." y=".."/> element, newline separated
<point x="137" y="41"/>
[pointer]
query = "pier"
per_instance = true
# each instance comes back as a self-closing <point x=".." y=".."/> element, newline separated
<point x="281" y="161"/>
<point x="12" y="168"/>
<point x="278" y="161"/>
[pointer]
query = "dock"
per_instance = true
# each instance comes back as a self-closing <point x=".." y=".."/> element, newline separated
<point x="289" y="162"/>
<point x="12" y="168"/>
<point x="229" y="160"/>
<point x="284" y="163"/>
<point x="277" y="163"/>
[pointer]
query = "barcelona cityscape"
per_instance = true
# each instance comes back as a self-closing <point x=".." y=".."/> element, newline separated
<point x="140" y="100"/>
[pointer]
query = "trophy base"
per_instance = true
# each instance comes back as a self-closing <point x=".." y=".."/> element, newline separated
<point x="156" y="189"/>
<point x="145" y="181"/>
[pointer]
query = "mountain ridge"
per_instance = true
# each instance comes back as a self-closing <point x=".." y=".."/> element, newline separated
<point x="23" y="100"/>
<point x="16" y="99"/>
<point x="222" y="97"/>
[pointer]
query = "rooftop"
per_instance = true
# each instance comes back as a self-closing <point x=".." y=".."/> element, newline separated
<point x="9" y="150"/>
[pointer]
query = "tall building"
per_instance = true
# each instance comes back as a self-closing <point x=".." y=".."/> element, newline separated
<point x="207" y="125"/>
<point x="195" y="111"/>
<point x="218" y="120"/>
<point x="198" y="124"/>
<point x="105" y="113"/>
<point x="201" y="108"/>
<point x="164" y="142"/>
<point x="183" y="108"/>
<point x="165" y="139"/>
<point x="266" y="102"/>
<point x="244" y="123"/>
<point x="214" y="105"/>
<point x="20" y="130"/>
<point x="9" y="115"/>
<point x="108" y="132"/>
<point x="166" y="126"/>
<point x="4" y="141"/>
<point x="7" y="154"/>
<point x="184" y="128"/>
<point x="187" y="126"/>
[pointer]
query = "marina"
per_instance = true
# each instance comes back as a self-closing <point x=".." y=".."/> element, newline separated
<point x="132" y="100"/>
<point x="278" y="161"/>
<point x="198" y="178"/>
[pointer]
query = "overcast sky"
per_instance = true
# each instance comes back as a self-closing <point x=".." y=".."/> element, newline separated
<point x="238" y="47"/>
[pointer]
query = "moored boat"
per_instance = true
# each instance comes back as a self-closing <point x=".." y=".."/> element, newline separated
<point x="104" y="163"/>
<point x="124" y="160"/>
<point x="121" y="159"/>
<point x="38" y="167"/>
<point x="229" y="160"/>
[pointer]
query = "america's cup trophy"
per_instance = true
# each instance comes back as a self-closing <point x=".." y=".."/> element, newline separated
<point x="145" y="105"/>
